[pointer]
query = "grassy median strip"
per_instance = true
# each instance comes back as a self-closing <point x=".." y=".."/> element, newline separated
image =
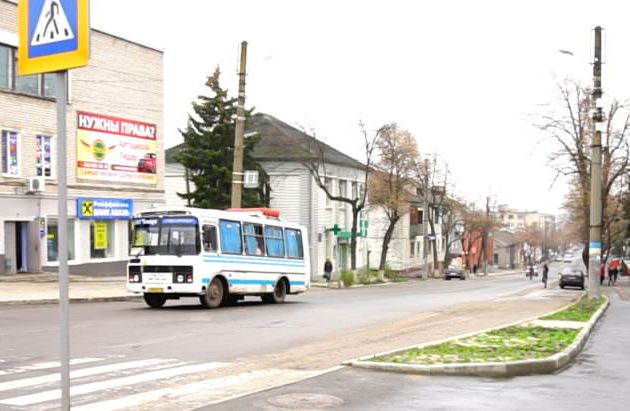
<point x="505" y="344"/>
<point x="580" y="311"/>
<point x="513" y="343"/>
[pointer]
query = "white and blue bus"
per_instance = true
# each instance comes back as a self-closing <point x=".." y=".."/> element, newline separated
<point x="217" y="256"/>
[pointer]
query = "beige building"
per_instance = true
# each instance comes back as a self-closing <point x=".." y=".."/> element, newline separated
<point x="114" y="148"/>
<point x="513" y="219"/>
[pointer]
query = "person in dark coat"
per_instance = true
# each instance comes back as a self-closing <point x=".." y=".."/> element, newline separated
<point x="328" y="267"/>
<point x="545" y="274"/>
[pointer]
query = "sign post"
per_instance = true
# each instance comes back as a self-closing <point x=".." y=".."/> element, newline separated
<point x="54" y="37"/>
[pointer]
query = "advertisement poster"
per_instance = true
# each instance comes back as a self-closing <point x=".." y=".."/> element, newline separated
<point x="100" y="236"/>
<point x="116" y="149"/>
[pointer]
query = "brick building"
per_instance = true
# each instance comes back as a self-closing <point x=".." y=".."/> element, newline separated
<point x="114" y="147"/>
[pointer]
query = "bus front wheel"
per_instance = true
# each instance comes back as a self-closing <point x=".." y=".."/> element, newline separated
<point x="215" y="294"/>
<point x="154" y="300"/>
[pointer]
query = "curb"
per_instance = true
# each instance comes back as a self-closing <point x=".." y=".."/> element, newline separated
<point x="72" y="300"/>
<point x="491" y="369"/>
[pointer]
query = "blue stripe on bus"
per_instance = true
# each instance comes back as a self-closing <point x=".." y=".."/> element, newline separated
<point x="255" y="282"/>
<point x="252" y="282"/>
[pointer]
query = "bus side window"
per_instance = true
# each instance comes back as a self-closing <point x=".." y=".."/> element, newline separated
<point x="293" y="240"/>
<point x="210" y="238"/>
<point x="253" y="238"/>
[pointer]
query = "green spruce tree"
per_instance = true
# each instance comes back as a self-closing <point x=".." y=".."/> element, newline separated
<point x="208" y="152"/>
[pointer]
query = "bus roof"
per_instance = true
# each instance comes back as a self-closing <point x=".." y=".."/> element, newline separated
<point x="254" y="214"/>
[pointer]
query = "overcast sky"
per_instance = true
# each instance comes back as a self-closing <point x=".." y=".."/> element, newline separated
<point x="465" y="77"/>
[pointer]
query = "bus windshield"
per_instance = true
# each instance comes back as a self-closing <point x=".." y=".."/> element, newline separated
<point x="166" y="236"/>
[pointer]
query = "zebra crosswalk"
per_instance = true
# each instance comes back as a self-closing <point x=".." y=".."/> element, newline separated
<point x="151" y="383"/>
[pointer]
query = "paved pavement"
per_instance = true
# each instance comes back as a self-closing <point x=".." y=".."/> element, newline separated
<point x="44" y="288"/>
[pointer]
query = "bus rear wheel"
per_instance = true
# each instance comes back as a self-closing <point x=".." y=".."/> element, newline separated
<point x="154" y="300"/>
<point x="278" y="295"/>
<point x="215" y="294"/>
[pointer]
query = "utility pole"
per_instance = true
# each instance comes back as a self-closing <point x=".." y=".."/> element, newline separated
<point x="237" y="167"/>
<point x="425" y="220"/>
<point x="595" y="235"/>
<point x="485" y="237"/>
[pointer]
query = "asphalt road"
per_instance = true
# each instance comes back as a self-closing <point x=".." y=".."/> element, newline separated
<point x="127" y="355"/>
<point x="598" y="379"/>
<point x="185" y="331"/>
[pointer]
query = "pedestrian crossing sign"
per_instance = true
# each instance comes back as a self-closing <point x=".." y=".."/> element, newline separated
<point x="53" y="35"/>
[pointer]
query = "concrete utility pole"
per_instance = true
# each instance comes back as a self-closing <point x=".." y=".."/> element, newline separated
<point x="425" y="220"/>
<point x="237" y="167"/>
<point x="486" y="237"/>
<point x="595" y="235"/>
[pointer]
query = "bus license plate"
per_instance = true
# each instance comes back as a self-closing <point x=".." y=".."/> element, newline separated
<point x="157" y="278"/>
<point x="156" y="290"/>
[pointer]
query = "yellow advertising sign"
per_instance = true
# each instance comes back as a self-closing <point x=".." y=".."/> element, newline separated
<point x="116" y="150"/>
<point x="100" y="236"/>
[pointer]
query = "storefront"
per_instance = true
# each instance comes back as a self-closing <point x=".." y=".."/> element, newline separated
<point x="114" y="149"/>
<point x="98" y="236"/>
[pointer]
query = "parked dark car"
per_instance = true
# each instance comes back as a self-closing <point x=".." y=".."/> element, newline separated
<point x="147" y="164"/>
<point x="571" y="277"/>
<point x="454" y="272"/>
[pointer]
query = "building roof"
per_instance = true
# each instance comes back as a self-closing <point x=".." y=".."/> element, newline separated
<point x="283" y="142"/>
<point x="504" y="238"/>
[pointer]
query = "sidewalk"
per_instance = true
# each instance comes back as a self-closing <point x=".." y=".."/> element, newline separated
<point x="43" y="288"/>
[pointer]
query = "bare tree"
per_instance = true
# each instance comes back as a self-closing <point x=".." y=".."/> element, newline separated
<point x="451" y="219"/>
<point x="390" y="187"/>
<point x="316" y="165"/>
<point x="569" y="128"/>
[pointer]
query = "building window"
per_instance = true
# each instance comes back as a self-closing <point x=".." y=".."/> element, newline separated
<point x="41" y="85"/>
<point x="27" y="84"/>
<point x="10" y="153"/>
<point x="52" y="240"/>
<point x="355" y="190"/>
<point x="43" y="155"/>
<point x="101" y="239"/>
<point x="6" y="56"/>
<point x="342" y="190"/>
<point x="48" y="84"/>
<point x="328" y="183"/>
<point x="412" y="248"/>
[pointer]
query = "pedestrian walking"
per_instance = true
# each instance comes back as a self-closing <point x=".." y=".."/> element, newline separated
<point x="328" y="267"/>
<point x="613" y="276"/>
<point x="611" y="270"/>
<point x="545" y="274"/>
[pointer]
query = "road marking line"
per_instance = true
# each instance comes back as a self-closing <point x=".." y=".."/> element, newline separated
<point x="214" y="390"/>
<point x="107" y="384"/>
<point x="47" y="365"/>
<point x="85" y="372"/>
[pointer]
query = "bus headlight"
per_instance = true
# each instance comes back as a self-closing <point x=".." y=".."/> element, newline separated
<point x="136" y="278"/>
<point x="180" y="278"/>
<point x="189" y="278"/>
